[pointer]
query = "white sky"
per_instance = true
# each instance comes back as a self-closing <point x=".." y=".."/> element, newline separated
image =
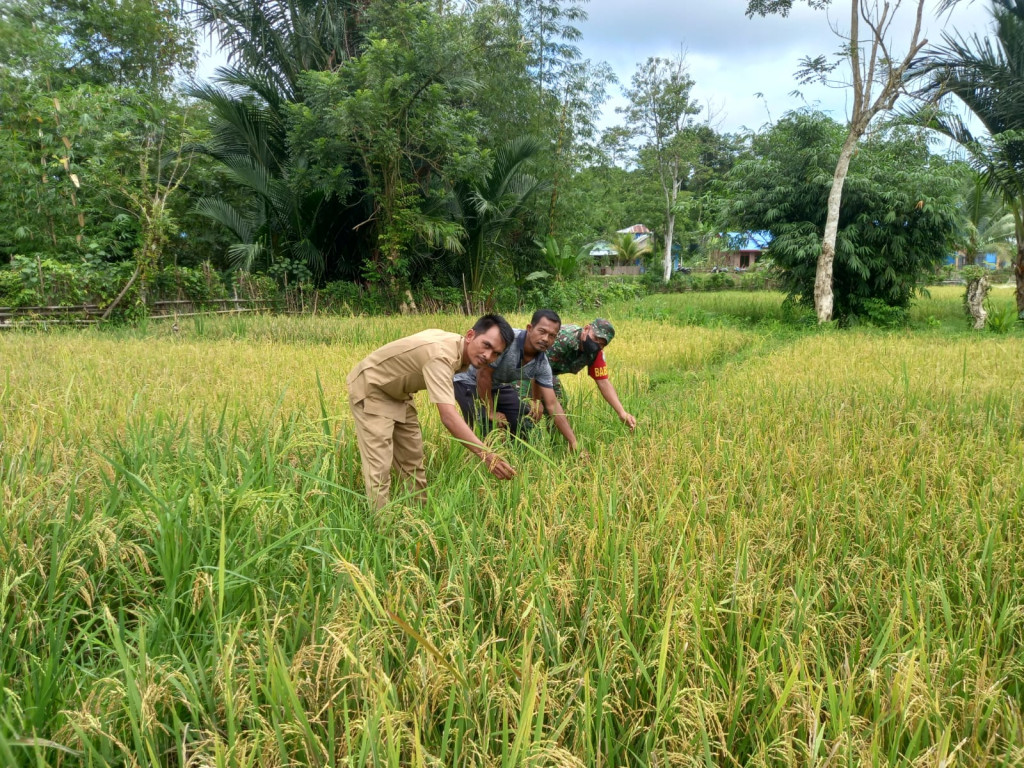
<point x="731" y="58"/>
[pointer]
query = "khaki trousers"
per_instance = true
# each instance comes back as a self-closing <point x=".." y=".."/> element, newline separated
<point x="385" y="443"/>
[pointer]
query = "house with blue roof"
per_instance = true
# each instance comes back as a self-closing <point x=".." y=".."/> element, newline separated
<point x="986" y="260"/>
<point x="743" y="249"/>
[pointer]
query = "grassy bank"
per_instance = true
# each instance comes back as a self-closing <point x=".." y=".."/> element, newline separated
<point x="808" y="553"/>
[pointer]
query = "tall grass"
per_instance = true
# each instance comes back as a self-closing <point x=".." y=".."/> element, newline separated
<point x="808" y="553"/>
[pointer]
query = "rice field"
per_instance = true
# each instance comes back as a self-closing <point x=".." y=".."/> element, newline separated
<point x="809" y="553"/>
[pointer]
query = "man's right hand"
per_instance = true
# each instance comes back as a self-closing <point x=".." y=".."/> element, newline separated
<point x="499" y="419"/>
<point x="498" y="467"/>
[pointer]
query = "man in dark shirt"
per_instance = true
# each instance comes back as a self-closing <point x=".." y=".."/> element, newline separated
<point x="522" y="369"/>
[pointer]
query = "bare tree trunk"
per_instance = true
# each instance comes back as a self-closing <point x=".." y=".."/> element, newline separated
<point x="1018" y="273"/>
<point x="977" y="290"/>
<point x="877" y="66"/>
<point x="671" y="196"/>
<point x="823" y="297"/>
<point x="668" y="247"/>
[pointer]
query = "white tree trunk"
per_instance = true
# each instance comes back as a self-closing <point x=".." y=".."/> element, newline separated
<point x="977" y="289"/>
<point x="668" y="247"/>
<point x="1018" y="273"/>
<point x="823" y="297"/>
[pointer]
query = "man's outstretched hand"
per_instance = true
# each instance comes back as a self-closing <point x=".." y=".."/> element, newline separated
<point x="498" y="467"/>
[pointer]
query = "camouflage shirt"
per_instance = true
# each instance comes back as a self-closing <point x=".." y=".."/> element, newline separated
<point x="566" y="356"/>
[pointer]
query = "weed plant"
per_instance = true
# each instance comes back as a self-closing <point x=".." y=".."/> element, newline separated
<point x="807" y="554"/>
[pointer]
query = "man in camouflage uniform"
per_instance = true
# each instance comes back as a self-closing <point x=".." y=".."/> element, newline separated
<point x="576" y="348"/>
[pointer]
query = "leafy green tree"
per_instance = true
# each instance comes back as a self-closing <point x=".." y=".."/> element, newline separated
<point x="284" y="222"/>
<point x="986" y="75"/>
<point x="699" y="218"/>
<point x="73" y="75"/>
<point x="560" y="105"/>
<point x="490" y="210"/>
<point x="660" y="114"/>
<point x="610" y="192"/>
<point x="578" y="108"/>
<point x="351" y="150"/>
<point x="63" y="189"/>
<point x="158" y="147"/>
<point x="55" y="44"/>
<point x="897" y="222"/>
<point x="549" y="29"/>
<point x="399" y="113"/>
<point x="878" y="77"/>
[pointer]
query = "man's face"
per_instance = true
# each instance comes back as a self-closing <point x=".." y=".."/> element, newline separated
<point x="541" y="336"/>
<point x="484" y="348"/>
<point x="588" y="334"/>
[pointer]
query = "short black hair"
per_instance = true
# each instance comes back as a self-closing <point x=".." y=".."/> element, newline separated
<point x="545" y="314"/>
<point x="485" y="323"/>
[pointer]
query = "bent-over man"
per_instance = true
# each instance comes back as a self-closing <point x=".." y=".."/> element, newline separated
<point x="577" y="348"/>
<point x="380" y="390"/>
<point x="524" y="363"/>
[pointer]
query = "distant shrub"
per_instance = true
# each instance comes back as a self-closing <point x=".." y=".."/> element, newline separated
<point x="257" y="287"/>
<point x="878" y="312"/>
<point x="12" y="292"/>
<point x="346" y="297"/>
<point x="720" y="281"/>
<point x="581" y="294"/>
<point x="196" y="285"/>
<point x="681" y="282"/>
<point x="1000" y="319"/>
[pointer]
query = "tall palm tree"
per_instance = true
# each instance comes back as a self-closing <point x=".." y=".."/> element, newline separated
<point x="986" y="74"/>
<point x="627" y="249"/>
<point x="269" y="44"/>
<point x="489" y="210"/>
<point x="274" y="222"/>
<point x="988" y="223"/>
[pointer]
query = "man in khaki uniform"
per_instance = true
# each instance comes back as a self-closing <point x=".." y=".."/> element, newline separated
<point x="380" y="390"/>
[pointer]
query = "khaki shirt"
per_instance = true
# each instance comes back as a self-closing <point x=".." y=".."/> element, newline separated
<point x="385" y="380"/>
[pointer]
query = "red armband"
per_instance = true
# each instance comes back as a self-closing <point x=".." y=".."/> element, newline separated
<point x="599" y="368"/>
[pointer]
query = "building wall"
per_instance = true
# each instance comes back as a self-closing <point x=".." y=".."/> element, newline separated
<point x="741" y="259"/>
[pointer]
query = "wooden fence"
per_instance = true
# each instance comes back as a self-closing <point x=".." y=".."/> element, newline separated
<point x="89" y="314"/>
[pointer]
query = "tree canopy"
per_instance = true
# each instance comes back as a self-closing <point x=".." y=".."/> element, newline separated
<point x="986" y="75"/>
<point x="897" y="222"/>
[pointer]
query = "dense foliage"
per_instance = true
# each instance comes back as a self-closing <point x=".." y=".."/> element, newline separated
<point x="368" y="141"/>
<point x="438" y="148"/>
<point x="898" y="218"/>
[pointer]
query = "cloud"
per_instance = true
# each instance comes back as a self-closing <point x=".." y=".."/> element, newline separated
<point x="732" y="58"/>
